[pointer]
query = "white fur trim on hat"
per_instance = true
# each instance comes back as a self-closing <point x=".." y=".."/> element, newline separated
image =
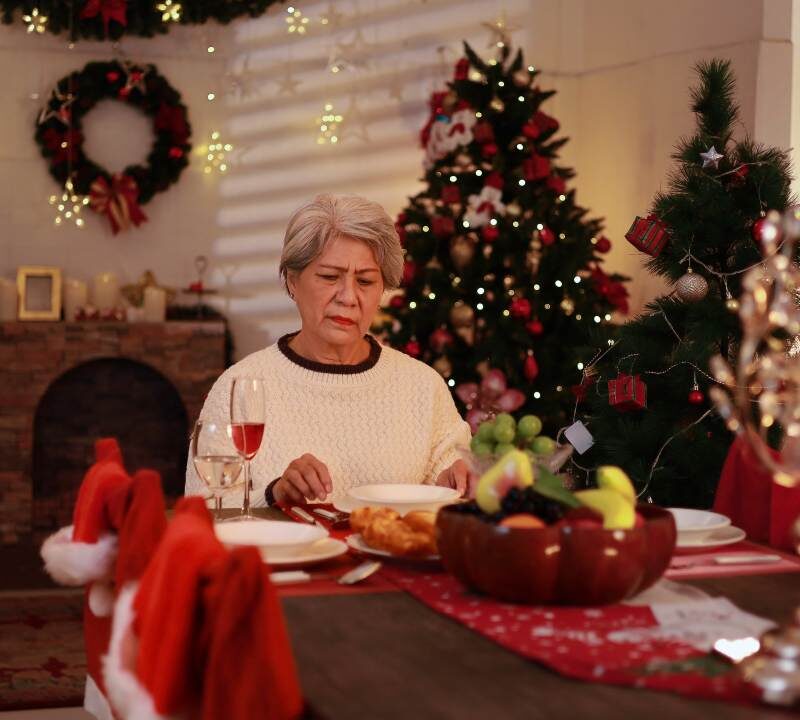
<point x="78" y="563"/>
<point x="127" y="695"/>
<point x="94" y="702"/>
<point x="101" y="598"/>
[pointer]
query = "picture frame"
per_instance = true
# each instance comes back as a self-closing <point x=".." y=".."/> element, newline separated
<point x="39" y="289"/>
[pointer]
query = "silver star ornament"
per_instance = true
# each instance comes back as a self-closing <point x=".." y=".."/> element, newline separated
<point x="711" y="157"/>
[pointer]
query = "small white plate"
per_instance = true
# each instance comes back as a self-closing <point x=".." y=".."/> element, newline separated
<point x="282" y="538"/>
<point x="723" y="536"/>
<point x="318" y="552"/>
<point x="356" y="542"/>
<point x="403" y="497"/>
<point x="696" y="524"/>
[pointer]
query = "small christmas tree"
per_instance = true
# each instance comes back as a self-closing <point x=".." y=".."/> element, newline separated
<point x="503" y="268"/>
<point x="647" y="403"/>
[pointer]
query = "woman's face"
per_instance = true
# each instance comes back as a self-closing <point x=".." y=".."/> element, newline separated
<point x="339" y="292"/>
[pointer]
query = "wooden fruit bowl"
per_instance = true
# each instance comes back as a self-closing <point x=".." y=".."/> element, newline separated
<point x="559" y="564"/>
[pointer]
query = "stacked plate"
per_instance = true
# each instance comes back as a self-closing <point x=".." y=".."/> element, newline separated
<point x="704" y="529"/>
<point x="280" y="542"/>
<point x="401" y="497"/>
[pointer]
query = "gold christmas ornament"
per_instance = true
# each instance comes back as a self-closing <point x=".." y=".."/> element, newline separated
<point x="461" y="252"/>
<point x="443" y="366"/>
<point x="487" y="251"/>
<point x="568" y="306"/>
<point x="521" y="78"/>
<point x="691" y="287"/>
<point x="462" y="318"/>
<point x="497" y="104"/>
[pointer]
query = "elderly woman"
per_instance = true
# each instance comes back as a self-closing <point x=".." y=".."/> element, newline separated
<point x="342" y="410"/>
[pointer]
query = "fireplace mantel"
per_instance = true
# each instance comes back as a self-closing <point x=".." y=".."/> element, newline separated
<point x="190" y="355"/>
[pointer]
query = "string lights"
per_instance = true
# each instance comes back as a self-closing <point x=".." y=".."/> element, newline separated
<point x="296" y="22"/>
<point x="216" y="154"/>
<point x="37" y="23"/>
<point x="170" y="11"/>
<point x="69" y="206"/>
<point x="329" y="124"/>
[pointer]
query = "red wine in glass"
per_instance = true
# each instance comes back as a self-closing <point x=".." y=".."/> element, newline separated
<point x="247" y="438"/>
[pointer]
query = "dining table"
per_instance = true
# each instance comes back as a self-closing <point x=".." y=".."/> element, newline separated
<point x="385" y="655"/>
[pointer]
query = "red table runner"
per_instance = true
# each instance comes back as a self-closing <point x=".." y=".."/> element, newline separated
<point x="614" y="644"/>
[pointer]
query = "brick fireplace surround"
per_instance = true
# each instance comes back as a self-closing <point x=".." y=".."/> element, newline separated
<point x="62" y="384"/>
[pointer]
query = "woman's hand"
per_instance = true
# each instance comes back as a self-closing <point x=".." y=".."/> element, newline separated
<point x="305" y="478"/>
<point x="460" y="477"/>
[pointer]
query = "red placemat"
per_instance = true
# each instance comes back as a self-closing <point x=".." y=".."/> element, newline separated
<point x="616" y="644"/>
<point x="702" y="564"/>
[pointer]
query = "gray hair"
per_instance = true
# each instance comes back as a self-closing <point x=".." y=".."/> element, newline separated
<point x="327" y="217"/>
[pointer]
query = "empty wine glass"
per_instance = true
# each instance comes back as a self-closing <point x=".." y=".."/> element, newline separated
<point x="216" y="460"/>
<point x="247" y="427"/>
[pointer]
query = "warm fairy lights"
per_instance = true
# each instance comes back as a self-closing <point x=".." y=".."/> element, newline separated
<point x="37" y="23"/>
<point x="329" y="126"/>
<point x="69" y="206"/>
<point x="216" y="154"/>
<point x="170" y="11"/>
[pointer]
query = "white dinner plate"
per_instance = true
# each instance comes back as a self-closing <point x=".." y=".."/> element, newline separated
<point x="318" y="552"/>
<point x="723" y="536"/>
<point x="697" y="524"/>
<point x="281" y="537"/>
<point x="356" y="542"/>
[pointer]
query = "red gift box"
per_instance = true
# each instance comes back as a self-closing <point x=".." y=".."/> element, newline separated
<point x="648" y="235"/>
<point x="627" y="392"/>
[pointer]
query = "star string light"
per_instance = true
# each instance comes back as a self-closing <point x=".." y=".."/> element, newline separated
<point x="69" y="206"/>
<point x="329" y="123"/>
<point x="296" y="22"/>
<point x="170" y="11"/>
<point x="216" y="154"/>
<point x="37" y="23"/>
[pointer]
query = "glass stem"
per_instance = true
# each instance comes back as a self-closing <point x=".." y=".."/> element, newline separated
<point x="218" y="507"/>
<point x="246" y="500"/>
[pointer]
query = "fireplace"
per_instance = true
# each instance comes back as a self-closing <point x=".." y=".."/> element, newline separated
<point x="62" y="385"/>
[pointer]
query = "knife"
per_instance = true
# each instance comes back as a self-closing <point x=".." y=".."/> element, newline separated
<point x="303" y="515"/>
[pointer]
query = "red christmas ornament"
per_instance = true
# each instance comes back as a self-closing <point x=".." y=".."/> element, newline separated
<point x="112" y="76"/>
<point x="175" y="153"/>
<point x="490" y="233"/>
<point x="764" y="231"/>
<point x="124" y="92"/>
<point x="495" y="180"/>
<point x="483" y="132"/>
<point x="648" y="235"/>
<point x="440" y="339"/>
<point x="397" y="301"/>
<point x="412" y="348"/>
<point x="409" y="272"/>
<point x="462" y="69"/>
<point x="696" y="397"/>
<point x="544" y="122"/>
<point x="557" y="184"/>
<point x="627" y="392"/>
<point x="547" y="236"/>
<point x="402" y="218"/>
<point x="520" y="308"/>
<point x="443" y="225"/>
<point x="535" y="327"/>
<point x="531" y="130"/>
<point x="603" y="244"/>
<point x="530" y="368"/>
<point x="738" y="177"/>
<point x="536" y="167"/>
<point x="489" y="150"/>
<point x="451" y="193"/>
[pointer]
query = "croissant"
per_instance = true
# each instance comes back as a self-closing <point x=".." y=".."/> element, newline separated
<point x="381" y="528"/>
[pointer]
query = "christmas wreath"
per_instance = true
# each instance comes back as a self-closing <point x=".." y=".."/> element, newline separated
<point x="112" y="19"/>
<point x="118" y="196"/>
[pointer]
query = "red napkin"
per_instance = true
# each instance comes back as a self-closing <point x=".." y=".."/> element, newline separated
<point x="747" y="494"/>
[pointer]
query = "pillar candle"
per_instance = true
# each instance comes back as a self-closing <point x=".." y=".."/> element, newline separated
<point x="76" y="295"/>
<point x="105" y="294"/>
<point x="8" y="299"/>
<point x="155" y="304"/>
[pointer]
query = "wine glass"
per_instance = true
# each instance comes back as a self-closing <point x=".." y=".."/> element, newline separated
<point x="247" y="427"/>
<point x="216" y="460"/>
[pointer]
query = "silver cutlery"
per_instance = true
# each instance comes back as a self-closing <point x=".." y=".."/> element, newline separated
<point x="303" y="515"/>
<point x="351" y="577"/>
<point x="726" y="559"/>
<point x="360" y="572"/>
<point x="332" y="515"/>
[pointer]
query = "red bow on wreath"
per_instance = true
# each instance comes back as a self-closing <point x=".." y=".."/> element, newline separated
<point x="172" y="119"/>
<point x="119" y="201"/>
<point x="108" y="9"/>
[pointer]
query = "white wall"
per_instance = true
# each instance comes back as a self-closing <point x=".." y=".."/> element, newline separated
<point x="622" y="69"/>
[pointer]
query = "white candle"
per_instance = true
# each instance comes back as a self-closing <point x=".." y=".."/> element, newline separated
<point x="76" y="295"/>
<point x="106" y="291"/>
<point x="8" y="300"/>
<point x="155" y="304"/>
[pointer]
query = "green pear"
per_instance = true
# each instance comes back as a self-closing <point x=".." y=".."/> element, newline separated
<point x="512" y="470"/>
<point x="611" y="477"/>
<point x="618" y="513"/>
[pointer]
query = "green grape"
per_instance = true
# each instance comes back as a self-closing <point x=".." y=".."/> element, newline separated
<point x="543" y="445"/>
<point x="505" y="419"/>
<point x="504" y="433"/>
<point x="529" y="427"/>
<point x="502" y="448"/>
<point x="486" y="431"/>
<point x="482" y="449"/>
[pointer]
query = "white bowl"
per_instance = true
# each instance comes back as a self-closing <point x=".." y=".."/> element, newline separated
<point x="403" y="497"/>
<point x="279" y="538"/>
<point x="696" y="525"/>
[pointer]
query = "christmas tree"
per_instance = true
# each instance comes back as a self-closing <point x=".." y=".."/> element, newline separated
<point x="646" y="397"/>
<point x="503" y="279"/>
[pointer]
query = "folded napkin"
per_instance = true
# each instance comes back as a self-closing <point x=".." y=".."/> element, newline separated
<point x="748" y="495"/>
<point x="202" y="635"/>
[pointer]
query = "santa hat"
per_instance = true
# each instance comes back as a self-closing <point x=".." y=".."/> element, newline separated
<point x="117" y="524"/>
<point x="202" y="634"/>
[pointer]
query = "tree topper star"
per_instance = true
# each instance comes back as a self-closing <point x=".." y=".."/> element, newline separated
<point x="711" y="157"/>
<point x="501" y="31"/>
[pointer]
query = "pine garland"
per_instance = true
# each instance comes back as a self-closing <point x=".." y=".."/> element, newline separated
<point x="131" y="17"/>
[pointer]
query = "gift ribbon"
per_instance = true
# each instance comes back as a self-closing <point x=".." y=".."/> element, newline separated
<point x="119" y="201"/>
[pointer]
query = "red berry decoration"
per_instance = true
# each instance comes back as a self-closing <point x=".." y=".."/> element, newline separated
<point x="531" y="130"/>
<point x="489" y="150"/>
<point x="530" y="368"/>
<point x="603" y="244"/>
<point x="520" y="308"/>
<point x="412" y="348"/>
<point x="112" y="76"/>
<point x="696" y="397"/>
<point x="547" y="236"/>
<point x="490" y="233"/>
<point x="175" y="153"/>
<point x="534" y="327"/>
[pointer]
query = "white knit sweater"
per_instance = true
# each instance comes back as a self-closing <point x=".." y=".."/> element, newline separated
<point x="393" y="421"/>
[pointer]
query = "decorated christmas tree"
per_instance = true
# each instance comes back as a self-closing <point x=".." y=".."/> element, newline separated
<point x="503" y="282"/>
<point x="646" y="398"/>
